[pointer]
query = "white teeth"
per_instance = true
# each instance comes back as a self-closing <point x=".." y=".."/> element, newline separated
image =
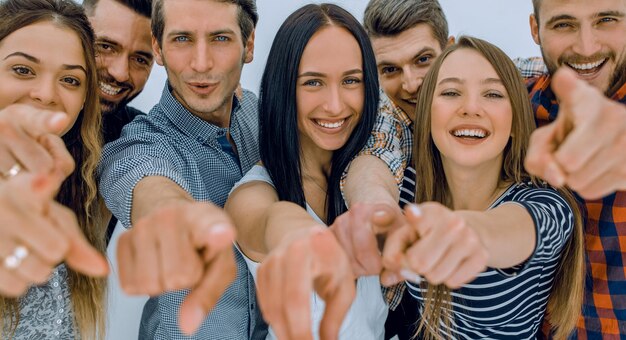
<point x="110" y="90"/>
<point x="330" y="125"/>
<point x="470" y="133"/>
<point x="587" y="66"/>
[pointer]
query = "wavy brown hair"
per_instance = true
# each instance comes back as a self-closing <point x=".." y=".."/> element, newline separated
<point x="565" y="301"/>
<point x="84" y="142"/>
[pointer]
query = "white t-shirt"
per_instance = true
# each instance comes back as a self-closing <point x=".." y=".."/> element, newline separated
<point x="365" y="319"/>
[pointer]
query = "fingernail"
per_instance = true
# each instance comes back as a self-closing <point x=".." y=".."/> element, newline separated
<point x="410" y="275"/>
<point x="380" y="213"/>
<point x="415" y="210"/>
<point x="219" y="228"/>
<point x="56" y="118"/>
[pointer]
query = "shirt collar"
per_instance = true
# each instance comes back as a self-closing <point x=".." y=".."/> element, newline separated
<point x="398" y="112"/>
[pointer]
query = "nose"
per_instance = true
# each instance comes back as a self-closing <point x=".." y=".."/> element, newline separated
<point x="45" y="92"/>
<point x="201" y="61"/>
<point x="334" y="103"/>
<point x="587" y="42"/>
<point x="117" y="67"/>
<point x="411" y="79"/>
<point x="471" y="106"/>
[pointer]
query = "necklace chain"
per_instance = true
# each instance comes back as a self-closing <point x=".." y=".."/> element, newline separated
<point x="315" y="182"/>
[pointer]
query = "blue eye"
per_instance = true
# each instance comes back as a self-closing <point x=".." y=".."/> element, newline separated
<point x="312" y="82"/>
<point x="222" y="38"/>
<point x="424" y="59"/>
<point x="181" y="38"/>
<point x="352" y="81"/>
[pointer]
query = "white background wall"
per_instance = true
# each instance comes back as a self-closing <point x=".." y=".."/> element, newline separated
<point x="502" y="22"/>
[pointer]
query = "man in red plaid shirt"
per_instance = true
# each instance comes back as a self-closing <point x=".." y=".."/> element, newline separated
<point x="585" y="147"/>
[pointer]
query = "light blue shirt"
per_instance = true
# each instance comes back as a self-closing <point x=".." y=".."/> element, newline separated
<point x="172" y="142"/>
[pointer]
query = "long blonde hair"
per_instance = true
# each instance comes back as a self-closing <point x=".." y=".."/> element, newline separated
<point x="84" y="141"/>
<point x="565" y="301"/>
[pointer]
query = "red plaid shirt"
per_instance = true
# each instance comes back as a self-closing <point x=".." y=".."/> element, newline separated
<point x="604" y="306"/>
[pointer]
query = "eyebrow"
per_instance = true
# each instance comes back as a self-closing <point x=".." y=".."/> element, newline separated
<point x="460" y="81"/>
<point x="37" y="61"/>
<point x="317" y="74"/>
<point x="597" y="15"/>
<point x="421" y="52"/>
<point x="146" y="54"/>
<point x="213" y="33"/>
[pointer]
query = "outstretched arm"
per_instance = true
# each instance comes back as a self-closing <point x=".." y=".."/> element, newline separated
<point x="584" y="147"/>
<point x="299" y="256"/>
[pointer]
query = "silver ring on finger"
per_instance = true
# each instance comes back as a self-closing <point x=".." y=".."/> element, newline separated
<point x="14" y="260"/>
<point x="12" y="172"/>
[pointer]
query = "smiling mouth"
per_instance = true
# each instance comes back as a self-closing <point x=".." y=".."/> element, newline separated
<point x="470" y="133"/>
<point x="412" y="101"/>
<point x="587" y="68"/>
<point x="329" y="125"/>
<point x="110" y="89"/>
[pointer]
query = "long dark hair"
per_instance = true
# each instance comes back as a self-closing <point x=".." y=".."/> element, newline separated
<point x="84" y="142"/>
<point x="278" y="126"/>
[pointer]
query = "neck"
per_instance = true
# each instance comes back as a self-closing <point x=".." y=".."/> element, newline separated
<point x="475" y="188"/>
<point x="219" y="117"/>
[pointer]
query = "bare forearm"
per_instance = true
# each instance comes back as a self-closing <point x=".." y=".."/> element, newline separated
<point x="283" y="220"/>
<point x="507" y="232"/>
<point x="153" y="192"/>
<point x="370" y="181"/>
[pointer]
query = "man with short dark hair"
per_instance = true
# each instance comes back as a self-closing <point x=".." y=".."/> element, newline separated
<point x="124" y="60"/>
<point x="124" y="57"/>
<point x="171" y="171"/>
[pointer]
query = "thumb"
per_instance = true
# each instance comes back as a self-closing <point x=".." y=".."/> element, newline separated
<point x="81" y="256"/>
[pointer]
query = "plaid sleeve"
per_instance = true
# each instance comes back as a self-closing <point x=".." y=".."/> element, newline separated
<point x="386" y="142"/>
<point x="127" y="161"/>
<point x="531" y="67"/>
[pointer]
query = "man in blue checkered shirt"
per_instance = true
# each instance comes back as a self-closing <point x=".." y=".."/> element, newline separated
<point x="170" y="173"/>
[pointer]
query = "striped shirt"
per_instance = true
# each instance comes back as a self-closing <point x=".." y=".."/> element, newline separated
<point x="172" y="142"/>
<point x="604" y="305"/>
<point x="510" y="303"/>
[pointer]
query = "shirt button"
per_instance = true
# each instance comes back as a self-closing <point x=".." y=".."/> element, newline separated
<point x="59" y="321"/>
<point x="61" y="310"/>
<point x="56" y="333"/>
<point x="55" y="284"/>
<point x="60" y="297"/>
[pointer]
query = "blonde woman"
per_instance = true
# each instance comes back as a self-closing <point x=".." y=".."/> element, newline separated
<point x="490" y="249"/>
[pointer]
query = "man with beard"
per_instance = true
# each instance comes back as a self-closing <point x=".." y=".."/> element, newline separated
<point x="124" y="57"/>
<point x="582" y="141"/>
<point x="124" y="61"/>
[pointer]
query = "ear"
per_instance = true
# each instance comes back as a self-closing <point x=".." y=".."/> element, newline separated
<point x="249" y="46"/>
<point x="534" y="29"/>
<point x="451" y="40"/>
<point x="156" y="49"/>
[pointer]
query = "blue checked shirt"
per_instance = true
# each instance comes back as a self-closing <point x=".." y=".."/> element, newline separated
<point x="171" y="142"/>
